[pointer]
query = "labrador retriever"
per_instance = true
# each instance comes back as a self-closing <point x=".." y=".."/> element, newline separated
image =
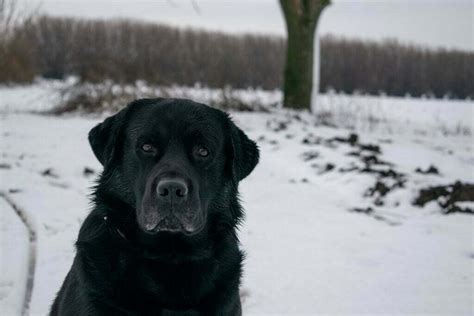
<point x="161" y="237"/>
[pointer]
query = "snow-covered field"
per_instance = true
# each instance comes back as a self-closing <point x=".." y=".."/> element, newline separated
<point x="308" y="250"/>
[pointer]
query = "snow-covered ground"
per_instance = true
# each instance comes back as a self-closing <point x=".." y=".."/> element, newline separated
<point x="308" y="251"/>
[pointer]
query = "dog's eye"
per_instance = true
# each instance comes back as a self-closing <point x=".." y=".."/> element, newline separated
<point x="148" y="148"/>
<point x="202" y="152"/>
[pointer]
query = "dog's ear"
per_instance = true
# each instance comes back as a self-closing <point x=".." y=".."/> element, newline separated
<point x="104" y="136"/>
<point x="245" y="153"/>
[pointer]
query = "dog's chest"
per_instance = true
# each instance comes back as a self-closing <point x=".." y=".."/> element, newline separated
<point x="184" y="284"/>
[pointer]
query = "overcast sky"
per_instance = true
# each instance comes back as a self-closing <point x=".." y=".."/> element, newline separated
<point x="436" y="23"/>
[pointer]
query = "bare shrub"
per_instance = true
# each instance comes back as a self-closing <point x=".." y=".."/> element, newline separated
<point x="111" y="97"/>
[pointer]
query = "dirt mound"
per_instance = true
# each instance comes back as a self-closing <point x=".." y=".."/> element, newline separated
<point x="448" y="197"/>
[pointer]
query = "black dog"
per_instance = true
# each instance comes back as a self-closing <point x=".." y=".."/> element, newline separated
<point x="161" y="239"/>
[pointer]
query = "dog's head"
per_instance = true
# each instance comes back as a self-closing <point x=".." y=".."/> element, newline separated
<point x="175" y="162"/>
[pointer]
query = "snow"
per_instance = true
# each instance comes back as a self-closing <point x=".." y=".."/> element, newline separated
<point x="307" y="252"/>
<point x="13" y="265"/>
<point x="41" y="96"/>
<point x="395" y="114"/>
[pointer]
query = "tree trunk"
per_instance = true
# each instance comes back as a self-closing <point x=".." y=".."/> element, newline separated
<point x="301" y="18"/>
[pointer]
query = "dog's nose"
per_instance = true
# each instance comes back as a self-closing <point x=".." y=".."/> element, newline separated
<point x="172" y="188"/>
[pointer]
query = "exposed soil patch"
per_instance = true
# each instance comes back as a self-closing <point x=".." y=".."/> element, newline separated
<point x="278" y="125"/>
<point x="371" y="212"/>
<point x="431" y="170"/>
<point x="384" y="173"/>
<point x="353" y="140"/>
<point x="447" y="197"/>
<point x="370" y="147"/>
<point x="329" y="167"/>
<point x="309" y="155"/>
<point x="382" y="187"/>
<point x="5" y="166"/>
<point x="49" y="173"/>
<point x="263" y="139"/>
<point x="311" y="139"/>
<point x="321" y="169"/>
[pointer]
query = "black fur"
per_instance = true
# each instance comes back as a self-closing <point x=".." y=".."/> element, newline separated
<point x="120" y="268"/>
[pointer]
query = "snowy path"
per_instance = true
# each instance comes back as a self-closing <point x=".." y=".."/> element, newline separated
<point x="306" y="252"/>
<point x="22" y="251"/>
<point x="14" y="263"/>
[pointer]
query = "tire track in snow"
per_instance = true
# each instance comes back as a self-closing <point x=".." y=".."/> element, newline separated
<point x="31" y="253"/>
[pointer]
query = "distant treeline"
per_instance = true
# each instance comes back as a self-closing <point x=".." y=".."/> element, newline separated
<point x="126" y="51"/>
<point x="395" y="69"/>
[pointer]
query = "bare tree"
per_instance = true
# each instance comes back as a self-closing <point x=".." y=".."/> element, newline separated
<point x="13" y="13"/>
<point x="15" y="50"/>
<point x="8" y="9"/>
<point x="301" y="18"/>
